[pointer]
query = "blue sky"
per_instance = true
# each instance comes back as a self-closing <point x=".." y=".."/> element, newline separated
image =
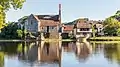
<point x="71" y="9"/>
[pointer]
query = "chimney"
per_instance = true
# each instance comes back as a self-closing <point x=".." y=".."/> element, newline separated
<point x="60" y="13"/>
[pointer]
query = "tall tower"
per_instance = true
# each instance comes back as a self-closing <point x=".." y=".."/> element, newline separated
<point x="60" y="13"/>
<point x="60" y="24"/>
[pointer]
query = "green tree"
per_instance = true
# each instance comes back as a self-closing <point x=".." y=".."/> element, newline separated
<point x="10" y="31"/>
<point x="5" y="5"/>
<point x="111" y="25"/>
<point x="20" y="33"/>
<point x="118" y="32"/>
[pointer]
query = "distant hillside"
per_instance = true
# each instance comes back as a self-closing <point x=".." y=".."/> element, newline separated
<point x="70" y="23"/>
<point x="75" y="21"/>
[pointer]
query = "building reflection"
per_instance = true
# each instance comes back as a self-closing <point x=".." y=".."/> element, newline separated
<point x="97" y="48"/>
<point x="68" y="46"/>
<point x="48" y="52"/>
<point x="83" y="50"/>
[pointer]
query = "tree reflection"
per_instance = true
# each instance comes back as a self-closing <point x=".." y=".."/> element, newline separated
<point x="112" y="52"/>
<point x="9" y="48"/>
<point x="1" y="59"/>
<point x="28" y="51"/>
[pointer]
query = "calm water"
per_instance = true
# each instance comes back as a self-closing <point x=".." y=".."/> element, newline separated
<point x="59" y="54"/>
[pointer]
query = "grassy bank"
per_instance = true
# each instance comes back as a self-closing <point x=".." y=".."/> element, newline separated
<point x="105" y="42"/>
<point x="67" y="40"/>
<point x="105" y="39"/>
<point x="53" y="40"/>
<point x="46" y="40"/>
<point x="15" y="40"/>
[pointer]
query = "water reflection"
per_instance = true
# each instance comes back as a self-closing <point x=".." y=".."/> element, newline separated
<point x="68" y="46"/>
<point x="50" y="52"/>
<point x="59" y="54"/>
<point x="112" y="52"/>
<point x="1" y="59"/>
<point x="41" y="52"/>
<point x="83" y="50"/>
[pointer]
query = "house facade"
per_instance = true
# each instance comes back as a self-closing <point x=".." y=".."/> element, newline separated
<point x="82" y="29"/>
<point x="99" y="29"/>
<point x="67" y="31"/>
<point x="48" y="25"/>
<point x="42" y="23"/>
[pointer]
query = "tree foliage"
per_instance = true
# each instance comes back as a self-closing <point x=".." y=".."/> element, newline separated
<point x="112" y="24"/>
<point x="5" y="5"/>
<point x="20" y="33"/>
<point x="12" y="30"/>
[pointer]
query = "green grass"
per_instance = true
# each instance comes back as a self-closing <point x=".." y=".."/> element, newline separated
<point x="52" y="40"/>
<point x="46" y="40"/>
<point x="107" y="42"/>
<point x="68" y="40"/>
<point x="105" y="39"/>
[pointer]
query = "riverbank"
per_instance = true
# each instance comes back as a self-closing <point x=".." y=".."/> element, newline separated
<point x="66" y="40"/>
<point x="105" y="42"/>
<point x="104" y="39"/>
<point x="46" y="40"/>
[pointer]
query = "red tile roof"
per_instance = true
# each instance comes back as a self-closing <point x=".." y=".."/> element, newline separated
<point x="48" y="23"/>
<point x="47" y="20"/>
<point x="68" y="27"/>
<point x="83" y="25"/>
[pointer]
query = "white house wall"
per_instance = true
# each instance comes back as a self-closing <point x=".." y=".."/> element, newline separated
<point x="78" y="30"/>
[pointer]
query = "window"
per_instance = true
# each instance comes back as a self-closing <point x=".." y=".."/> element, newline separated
<point x="52" y="27"/>
<point x="31" y="22"/>
<point x="84" y="29"/>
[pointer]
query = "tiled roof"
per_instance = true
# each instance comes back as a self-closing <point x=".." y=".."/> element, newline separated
<point x="47" y="20"/>
<point x="48" y="23"/>
<point x="48" y="17"/>
<point x="83" y="25"/>
<point x="68" y="27"/>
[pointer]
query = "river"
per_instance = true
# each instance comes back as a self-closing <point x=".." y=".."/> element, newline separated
<point x="59" y="54"/>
